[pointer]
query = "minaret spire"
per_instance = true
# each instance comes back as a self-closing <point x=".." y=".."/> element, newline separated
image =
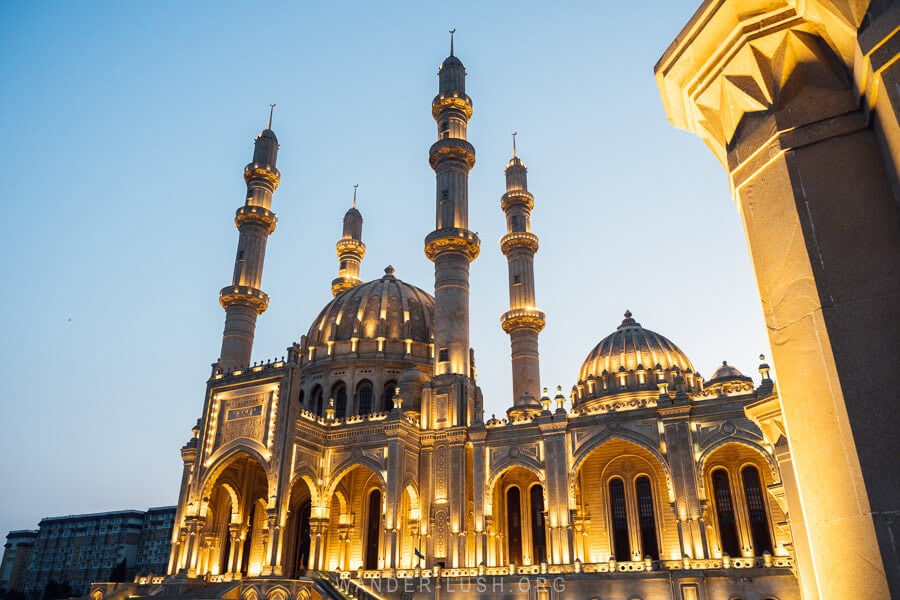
<point x="271" y="111"/>
<point x="243" y="300"/>
<point x="523" y="322"/>
<point x="452" y="246"/>
<point x="514" y="134"/>
<point x="350" y="250"/>
<point x="452" y="31"/>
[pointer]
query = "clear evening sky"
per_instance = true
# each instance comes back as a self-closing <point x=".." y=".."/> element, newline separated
<point x="126" y="127"/>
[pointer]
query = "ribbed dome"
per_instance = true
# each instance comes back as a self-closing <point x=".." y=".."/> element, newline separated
<point x="631" y="346"/>
<point x="386" y="308"/>
<point x="727" y="373"/>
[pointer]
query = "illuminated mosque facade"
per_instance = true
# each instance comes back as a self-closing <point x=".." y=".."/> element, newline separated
<point x="366" y="453"/>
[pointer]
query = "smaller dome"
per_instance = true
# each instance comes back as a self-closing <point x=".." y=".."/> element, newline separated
<point x="413" y="376"/>
<point x="268" y="134"/>
<point x="631" y="347"/>
<point x="727" y="373"/>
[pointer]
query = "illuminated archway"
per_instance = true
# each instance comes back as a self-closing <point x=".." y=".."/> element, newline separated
<point x="623" y="506"/>
<point x="355" y="528"/>
<point x="518" y="526"/>
<point x="741" y="518"/>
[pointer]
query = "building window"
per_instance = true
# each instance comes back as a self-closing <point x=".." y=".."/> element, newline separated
<point x="514" y="524"/>
<point x="728" y="538"/>
<point x="364" y="397"/>
<point x="646" y="518"/>
<point x="443" y="355"/>
<point x="538" y="526"/>
<point x="373" y="522"/>
<point x="316" y="402"/>
<point x="339" y="393"/>
<point x="387" y="399"/>
<point x="619" y="514"/>
<point x="756" y="510"/>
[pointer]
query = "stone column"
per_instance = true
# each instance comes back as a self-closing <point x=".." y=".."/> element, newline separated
<point x="559" y="547"/>
<point x="318" y="532"/>
<point x="680" y="445"/>
<point x="784" y="93"/>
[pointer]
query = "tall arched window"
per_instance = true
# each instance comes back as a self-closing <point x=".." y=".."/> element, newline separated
<point x="756" y="510"/>
<point x="514" y="524"/>
<point x="364" y="397"/>
<point x="373" y="528"/>
<point x="725" y="516"/>
<point x="387" y="399"/>
<point x="317" y="402"/>
<point x="538" y="528"/>
<point x="339" y="393"/>
<point x="302" y="540"/>
<point x="619" y="514"/>
<point x="647" y="520"/>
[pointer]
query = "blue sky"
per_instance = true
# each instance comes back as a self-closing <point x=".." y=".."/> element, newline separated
<point x="126" y="129"/>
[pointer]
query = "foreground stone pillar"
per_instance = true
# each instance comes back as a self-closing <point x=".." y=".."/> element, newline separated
<point x="798" y="100"/>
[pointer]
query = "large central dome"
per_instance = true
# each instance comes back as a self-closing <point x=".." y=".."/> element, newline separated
<point x="386" y="315"/>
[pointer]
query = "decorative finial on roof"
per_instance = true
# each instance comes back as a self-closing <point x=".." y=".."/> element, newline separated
<point x="452" y="31"/>
<point x="271" y="110"/>
<point x="724" y="363"/>
<point x="355" y="185"/>
<point x="514" y="134"/>
<point x="389" y="271"/>
<point x="628" y="321"/>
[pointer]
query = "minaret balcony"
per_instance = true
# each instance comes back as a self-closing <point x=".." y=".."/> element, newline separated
<point x="256" y="215"/>
<point x="262" y="171"/>
<point x="350" y="246"/>
<point x="244" y="295"/>
<point x="522" y="318"/>
<point x="518" y="239"/>
<point x="452" y="239"/>
<point x="451" y="149"/>
<point x="342" y="284"/>
<point x="512" y="197"/>
<point x="441" y="103"/>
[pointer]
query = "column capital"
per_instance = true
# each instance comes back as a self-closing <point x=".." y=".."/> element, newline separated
<point x="734" y="59"/>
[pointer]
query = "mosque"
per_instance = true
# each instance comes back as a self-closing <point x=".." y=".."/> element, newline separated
<point x="365" y="456"/>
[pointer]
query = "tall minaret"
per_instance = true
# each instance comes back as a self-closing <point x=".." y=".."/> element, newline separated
<point x="243" y="300"/>
<point x="523" y="322"/>
<point x="350" y="251"/>
<point x="451" y="245"/>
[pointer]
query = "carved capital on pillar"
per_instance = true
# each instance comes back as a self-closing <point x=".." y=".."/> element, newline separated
<point x="766" y="413"/>
<point x="736" y="59"/>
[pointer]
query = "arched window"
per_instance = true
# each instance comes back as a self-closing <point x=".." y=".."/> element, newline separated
<point x="619" y="514"/>
<point x="373" y="527"/>
<point x="387" y="399"/>
<point x="514" y="524"/>
<point x="649" y="545"/>
<point x="725" y="516"/>
<point x="302" y="540"/>
<point x="538" y="529"/>
<point x="756" y="510"/>
<point x="339" y="393"/>
<point x="364" y="397"/>
<point x="316" y="401"/>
